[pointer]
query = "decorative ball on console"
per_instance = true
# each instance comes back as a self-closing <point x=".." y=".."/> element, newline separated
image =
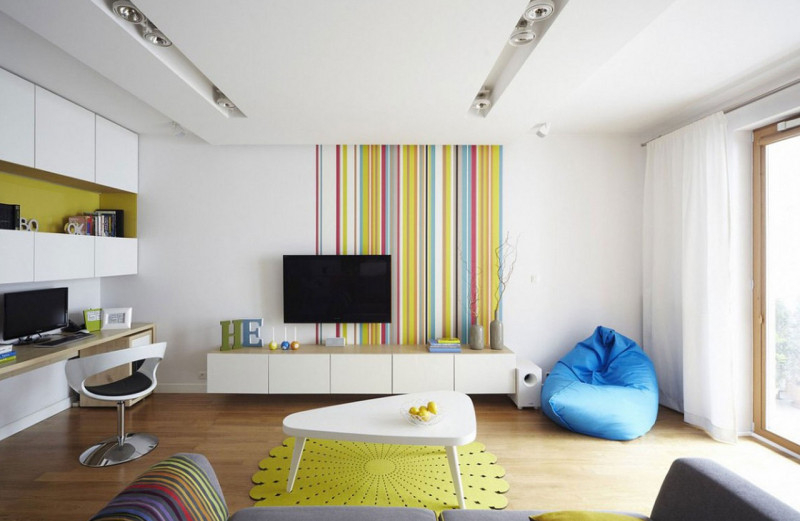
<point x="295" y="345"/>
<point x="273" y="345"/>
<point x="285" y="345"/>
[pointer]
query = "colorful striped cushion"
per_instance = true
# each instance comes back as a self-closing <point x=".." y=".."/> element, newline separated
<point x="177" y="489"/>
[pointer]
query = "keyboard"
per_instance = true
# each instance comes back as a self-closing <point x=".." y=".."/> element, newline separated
<point x="63" y="340"/>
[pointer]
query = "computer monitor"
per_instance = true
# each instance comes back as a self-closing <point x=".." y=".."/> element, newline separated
<point x="27" y="313"/>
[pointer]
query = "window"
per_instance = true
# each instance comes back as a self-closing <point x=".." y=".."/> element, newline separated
<point x="776" y="275"/>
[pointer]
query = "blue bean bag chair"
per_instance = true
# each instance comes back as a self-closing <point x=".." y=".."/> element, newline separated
<point x="605" y="387"/>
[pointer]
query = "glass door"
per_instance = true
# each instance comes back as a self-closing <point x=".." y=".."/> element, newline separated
<point x="776" y="255"/>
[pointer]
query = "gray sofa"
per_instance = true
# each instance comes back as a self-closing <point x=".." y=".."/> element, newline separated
<point x="693" y="490"/>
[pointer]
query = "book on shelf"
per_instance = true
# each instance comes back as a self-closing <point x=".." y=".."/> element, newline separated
<point x="101" y="223"/>
<point x="117" y="218"/>
<point x="436" y="345"/>
<point x="452" y="348"/>
<point x="9" y="216"/>
<point x="5" y="348"/>
<point x="8" y="357"/>
<point x="104" y="224"/>
<point x="444" y="341"/>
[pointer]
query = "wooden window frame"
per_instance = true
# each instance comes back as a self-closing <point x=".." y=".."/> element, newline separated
<point x="763" y="137"/>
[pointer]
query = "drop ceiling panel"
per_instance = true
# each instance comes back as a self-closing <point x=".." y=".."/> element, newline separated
<point x="371" y="71"/>
<point x="356" y="69"/>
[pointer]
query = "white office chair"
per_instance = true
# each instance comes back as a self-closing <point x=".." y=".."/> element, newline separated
<point x="124" y="447"/>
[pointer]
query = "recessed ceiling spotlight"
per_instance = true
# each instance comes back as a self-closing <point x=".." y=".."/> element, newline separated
<point x="128" y="12"/>
<point x="222" y="100"/>
<point x="522" y="34"/>
<point x="482" y="101"/>
<point x="156" y="37"/>
<point x="538" y="10"/>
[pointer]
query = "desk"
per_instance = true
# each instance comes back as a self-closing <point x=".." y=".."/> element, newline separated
<point x="30" y="358"/>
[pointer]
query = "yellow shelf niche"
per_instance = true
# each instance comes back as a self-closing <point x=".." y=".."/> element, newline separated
<point x="50" y="203"/>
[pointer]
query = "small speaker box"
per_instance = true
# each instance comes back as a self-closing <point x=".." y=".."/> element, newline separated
<point x="528" y="385"/>
<point x="335" y="341"/>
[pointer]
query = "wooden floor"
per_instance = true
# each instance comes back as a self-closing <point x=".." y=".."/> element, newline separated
<point x="546" y="467"/>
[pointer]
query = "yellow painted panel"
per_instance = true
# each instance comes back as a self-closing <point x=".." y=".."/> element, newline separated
<point x="125" y="202"/>
<point x="48" y="203"/>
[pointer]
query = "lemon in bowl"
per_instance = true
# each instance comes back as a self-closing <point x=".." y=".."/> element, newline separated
<point x="422" y="413"/>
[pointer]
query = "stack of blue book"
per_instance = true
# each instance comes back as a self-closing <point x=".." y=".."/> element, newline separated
<point x="7" y="354"/>
<point x="444" y="345"/>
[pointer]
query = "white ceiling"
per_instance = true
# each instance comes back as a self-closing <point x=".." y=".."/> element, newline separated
<point x="371" y="71"/>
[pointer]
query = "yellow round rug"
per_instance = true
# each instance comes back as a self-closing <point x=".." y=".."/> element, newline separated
<point x="357" y="473"/>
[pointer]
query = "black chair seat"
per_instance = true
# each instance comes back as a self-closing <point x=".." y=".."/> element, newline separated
<point x="135" y="383"/>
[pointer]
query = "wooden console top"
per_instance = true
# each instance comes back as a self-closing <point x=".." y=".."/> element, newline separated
<point x="363" y="349"/>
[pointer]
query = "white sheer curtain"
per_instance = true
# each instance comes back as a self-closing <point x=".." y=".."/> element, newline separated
<point x="686" y="286"/>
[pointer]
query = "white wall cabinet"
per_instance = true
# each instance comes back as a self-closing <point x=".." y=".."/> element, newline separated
<point x="16" y="256"/>
<point x="58" y="256"/>
<point x="42" y="130"/>
<point x="35" y="257"/>
<point x="17" y="115"/>
<point x="115" y="256"/>
<point x="117" y="156"/>
<point x="64" y="137"/>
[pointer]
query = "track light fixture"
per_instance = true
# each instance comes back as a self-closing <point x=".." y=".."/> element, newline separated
<point x="222" y="100"/>
<point x="532" y="25"/>
<point x="153" y="35"/>
<point x="482" y="101"/>
<point x="134" y="22"/>
<point x="537" y="10"/>
<point x="522" y="33"/>
<point x="130" y="13"/>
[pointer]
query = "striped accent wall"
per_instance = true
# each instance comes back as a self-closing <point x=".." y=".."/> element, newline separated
<point x="437" y="211"/>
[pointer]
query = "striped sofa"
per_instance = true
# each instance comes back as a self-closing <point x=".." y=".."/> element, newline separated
<point x="184" y="487"/>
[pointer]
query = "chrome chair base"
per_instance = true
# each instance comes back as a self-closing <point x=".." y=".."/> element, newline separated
<point x="110" y="452"/>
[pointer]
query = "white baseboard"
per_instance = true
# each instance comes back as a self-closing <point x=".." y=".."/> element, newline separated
<point x="32" y="419"/>
<point x="181" y="388"/>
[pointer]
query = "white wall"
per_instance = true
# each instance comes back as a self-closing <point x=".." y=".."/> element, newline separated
<point x="215" y="221"/>
<point x="213" y="224"/>
<point x="575" y="202"/>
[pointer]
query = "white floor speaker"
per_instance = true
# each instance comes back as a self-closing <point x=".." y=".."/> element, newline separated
<point x="528" y="385"/>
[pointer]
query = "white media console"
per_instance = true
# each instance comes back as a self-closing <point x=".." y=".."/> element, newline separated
<point x="364" y="369"/>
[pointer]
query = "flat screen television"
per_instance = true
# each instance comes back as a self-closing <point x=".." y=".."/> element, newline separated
<point x="27" y="313"/>
<point x="337" y="289"/>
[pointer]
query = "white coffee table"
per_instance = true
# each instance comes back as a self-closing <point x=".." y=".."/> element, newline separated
<point x="380" y="420"/>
